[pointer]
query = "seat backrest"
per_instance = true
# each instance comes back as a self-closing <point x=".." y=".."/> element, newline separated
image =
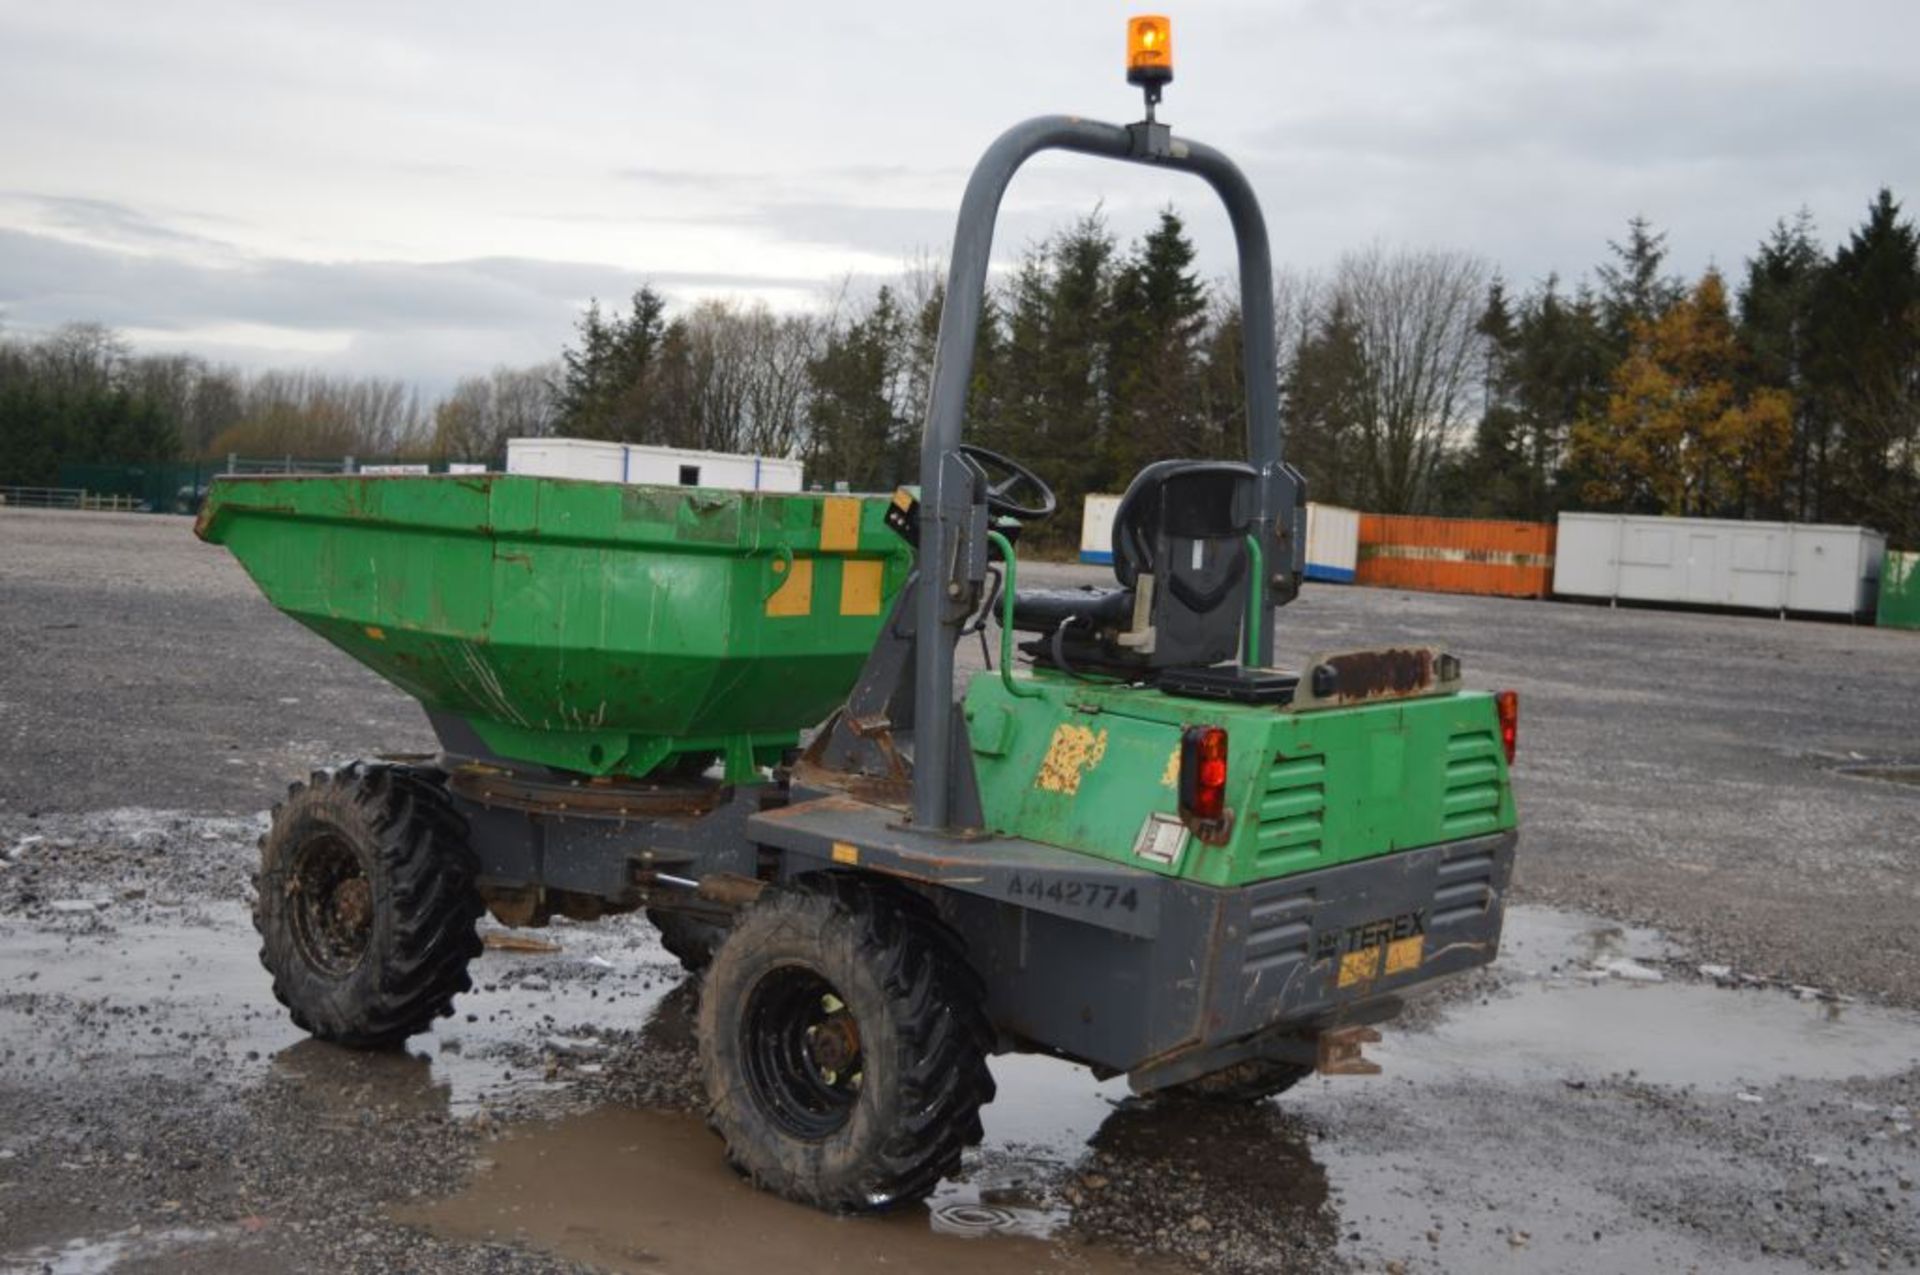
<point x="1185" y="523"/>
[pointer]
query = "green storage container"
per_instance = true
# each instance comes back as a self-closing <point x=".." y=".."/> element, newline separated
<point x="592" y="627"/>
<point x="1900" y="591"/>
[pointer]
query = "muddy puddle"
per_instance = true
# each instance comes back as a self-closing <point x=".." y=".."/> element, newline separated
<point x="1460" y="1155"/>
<point x="1517" y="1121"/>
<point x="638" y="1190"/>
<point x="187" y="993"/>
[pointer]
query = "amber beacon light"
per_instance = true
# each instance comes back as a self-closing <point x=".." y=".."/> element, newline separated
<point x="1149" y="53"/>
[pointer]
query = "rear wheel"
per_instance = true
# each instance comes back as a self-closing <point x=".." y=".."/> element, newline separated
<point x="843" y="1046"/>
<point x="367" y="904"/>
<point x="1249" y="1081"/>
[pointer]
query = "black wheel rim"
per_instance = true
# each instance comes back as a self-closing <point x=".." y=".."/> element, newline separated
<point x="802" y="1051"/>
<point x="330" y="905"/>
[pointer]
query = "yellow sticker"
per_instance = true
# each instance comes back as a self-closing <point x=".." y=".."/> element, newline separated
<point x="1073" y="752"/>
<point x="860" y="587"/>
<point x="1406" y="954"/>
<point x="1171" y="775"/>
<point x="840" y="525"/>
<point x="377" y="633"/>
<point x="1359" y="967"/>
<point x="844" y="853"/>
<point x="795" y="594"/>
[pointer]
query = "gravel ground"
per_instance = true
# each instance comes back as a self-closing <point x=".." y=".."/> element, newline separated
<point x="1697" y="1050"/>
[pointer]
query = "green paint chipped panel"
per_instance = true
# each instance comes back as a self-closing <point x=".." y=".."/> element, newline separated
<point x="1308" y="790"/>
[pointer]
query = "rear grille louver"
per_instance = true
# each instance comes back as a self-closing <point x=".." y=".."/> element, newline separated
<point x="1292" y="806"/>
<point x="1279" y="929"/>
<point x="1470" y="801"/>
<point x="1463" y="887"/>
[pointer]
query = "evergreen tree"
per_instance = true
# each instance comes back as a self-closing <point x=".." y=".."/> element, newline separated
<point x="1560" y="378"/>
<point x="1325" y="394"/>
<point x="1632" y="289"/>
<point x="1053" y="401"/>
<point x="606" y="388"/>
<point x="1777" y="328"/>
<point x="1866" y="366"/>
<point x="1493" y="477"/>
<point x="1221" y="427"/>
<point x="855" y="434"/>
<point x="1154" y="362"/>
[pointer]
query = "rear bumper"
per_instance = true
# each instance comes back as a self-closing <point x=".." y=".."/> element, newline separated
<point x="1339" y="948"/>
<point x="1228" y="974"/>
<point x="1130" y="971"/>
<point x="1306" y="949"/>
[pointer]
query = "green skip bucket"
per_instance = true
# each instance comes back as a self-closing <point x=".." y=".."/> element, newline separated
<point x="590" y="627"/>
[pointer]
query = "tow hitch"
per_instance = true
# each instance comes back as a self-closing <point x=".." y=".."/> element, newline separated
<point x="1340" y="1052"/>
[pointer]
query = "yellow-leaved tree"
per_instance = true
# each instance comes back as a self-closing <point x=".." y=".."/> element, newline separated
<point x="1679" y="435"/>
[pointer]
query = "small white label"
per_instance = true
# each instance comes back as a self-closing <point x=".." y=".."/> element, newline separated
<point x="1199" y="554"/>
<point x="1161" y="839"/>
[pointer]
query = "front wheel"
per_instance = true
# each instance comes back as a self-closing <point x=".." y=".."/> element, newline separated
<point x="367" y="904"/>
<point x="843" y="1046"/>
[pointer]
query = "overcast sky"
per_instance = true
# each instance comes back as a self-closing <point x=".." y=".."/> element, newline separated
<point x="427" y="189"/>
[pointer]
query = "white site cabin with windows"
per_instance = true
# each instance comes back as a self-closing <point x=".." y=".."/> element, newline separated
<point x="598" y="461"/>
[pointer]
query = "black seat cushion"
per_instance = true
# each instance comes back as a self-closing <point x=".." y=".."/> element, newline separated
<point x="1043" y="610"/>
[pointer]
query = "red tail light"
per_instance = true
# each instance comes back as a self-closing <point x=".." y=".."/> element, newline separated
<point x="1203" y="774"/>
<point x="1508" y="704"/>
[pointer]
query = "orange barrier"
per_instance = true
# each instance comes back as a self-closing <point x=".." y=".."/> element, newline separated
<point x="1456" y="555"/>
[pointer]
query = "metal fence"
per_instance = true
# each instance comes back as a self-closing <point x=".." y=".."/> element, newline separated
<point x="179" y="487"/>
<point x="63" y="498"/>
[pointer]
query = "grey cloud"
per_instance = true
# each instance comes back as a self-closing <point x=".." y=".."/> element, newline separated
<point x="105" y="219"/>
<point x="44" y="279"/>
<point x="709" y="179"/>
<point x="1631" y="116"/>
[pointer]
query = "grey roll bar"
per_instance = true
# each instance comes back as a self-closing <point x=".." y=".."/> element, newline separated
<point x="946" y="485"/>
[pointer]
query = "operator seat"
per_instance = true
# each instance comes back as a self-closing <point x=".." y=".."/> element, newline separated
<point x="1180" y="557"/>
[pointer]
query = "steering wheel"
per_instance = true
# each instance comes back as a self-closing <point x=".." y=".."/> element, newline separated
<point x="1005" y="478"/>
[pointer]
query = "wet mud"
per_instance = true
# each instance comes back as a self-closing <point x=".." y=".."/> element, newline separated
<point x="1599" y="1100"/>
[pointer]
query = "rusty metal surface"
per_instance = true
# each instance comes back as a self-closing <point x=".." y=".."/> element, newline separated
<point x="730" y="889"/>
<point x="1340" y="1054"/>
<point x="531" y="907"/>
<point x="1456" y="555"/>
<point x="832" y="760"/>
<point x="1363" y="677"/>
<point x="595" y="798"/>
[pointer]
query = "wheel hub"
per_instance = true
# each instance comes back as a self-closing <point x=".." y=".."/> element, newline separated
<point x="834" y="1043"/>
<point x="330" y="903"/>
<point x="802" y="1052"/>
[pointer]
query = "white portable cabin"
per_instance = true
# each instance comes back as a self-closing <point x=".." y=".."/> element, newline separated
<point x="1333" y="542"/>
<point x="603" y="462"/>
<point x="1333" y="537"/>
<point x="1813" y="568"/>
<point x="1096" y="528"/>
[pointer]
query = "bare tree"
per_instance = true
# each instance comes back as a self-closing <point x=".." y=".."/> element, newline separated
<point x="80" y="357"/>
<point x="1414" y="315"/>
<point x="311" y="414"/>
<point x="483" y="412"/>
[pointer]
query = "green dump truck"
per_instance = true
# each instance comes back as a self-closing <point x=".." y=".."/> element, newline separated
<point x="1139" y="841"/>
